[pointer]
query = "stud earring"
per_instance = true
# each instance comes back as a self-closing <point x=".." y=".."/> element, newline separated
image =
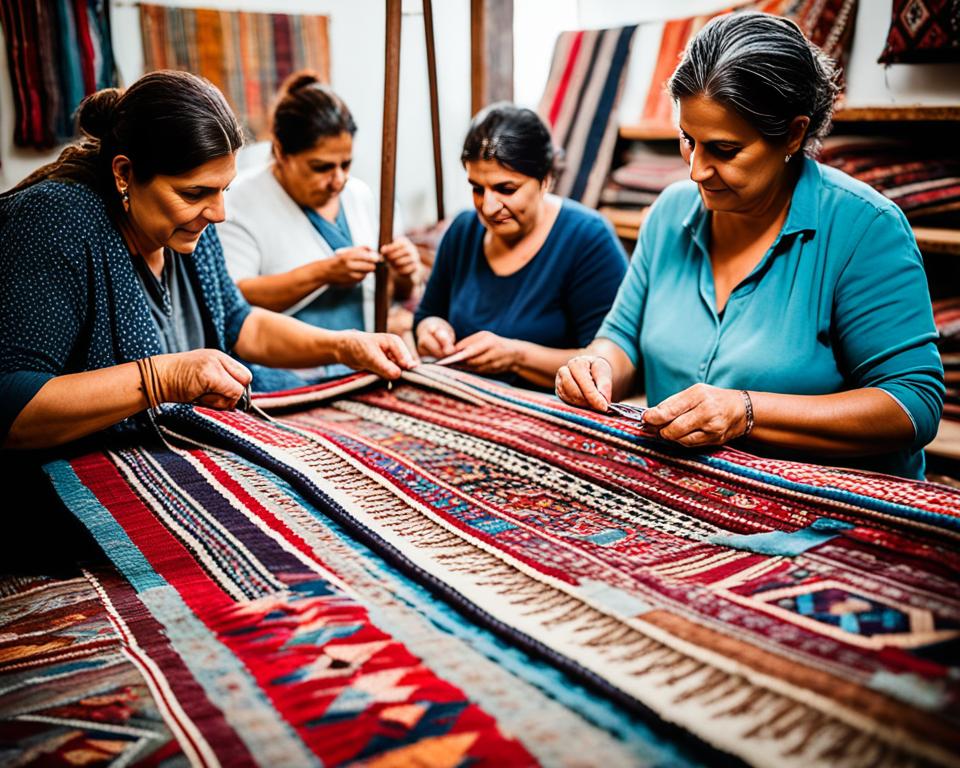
<point x="787" y="158"/>
<point x="125" y="198"/>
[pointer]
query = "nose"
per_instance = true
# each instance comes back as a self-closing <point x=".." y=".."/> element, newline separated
<point x="215" y="212"/>
<point x="490" y="205"/>
<point x="339" y="178"/>
<point x="700" y="169"/>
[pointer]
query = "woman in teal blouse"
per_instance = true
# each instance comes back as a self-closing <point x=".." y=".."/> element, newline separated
<point x="770" y="296"/>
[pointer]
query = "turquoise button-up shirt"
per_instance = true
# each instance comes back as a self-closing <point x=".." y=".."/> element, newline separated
<point x="839" y="302"/>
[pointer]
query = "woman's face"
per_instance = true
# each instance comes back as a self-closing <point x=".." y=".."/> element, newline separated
<point x="316" y="176"/>
<point x="173" y="211"/>
<point x="736" y="168"/>
<point x="509" y="203"/>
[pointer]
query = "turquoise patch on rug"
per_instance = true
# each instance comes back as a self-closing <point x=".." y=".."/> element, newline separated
<point x="784" y="543"/>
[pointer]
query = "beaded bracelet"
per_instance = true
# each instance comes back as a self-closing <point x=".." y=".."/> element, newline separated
<point x="748" y="407"/>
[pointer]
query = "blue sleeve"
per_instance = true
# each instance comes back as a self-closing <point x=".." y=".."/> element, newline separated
<point x="436" y="296"/>
<point x="43" y="297"/>
<point x="600" y="266"/>
<point x="622" y="323"/>
<point x="883" y="321"/>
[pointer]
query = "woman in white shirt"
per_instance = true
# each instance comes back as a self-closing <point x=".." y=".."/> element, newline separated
<point x="300" y="233"/>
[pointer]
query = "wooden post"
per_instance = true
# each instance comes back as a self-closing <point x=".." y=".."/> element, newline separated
<point x="434" y="105"/>
<point x="388" y="156"/>
<point x="491" y="52"/>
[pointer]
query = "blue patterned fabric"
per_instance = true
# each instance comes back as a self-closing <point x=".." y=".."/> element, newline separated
<point x="70" y="300"/>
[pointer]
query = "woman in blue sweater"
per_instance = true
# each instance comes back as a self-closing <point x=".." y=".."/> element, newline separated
<point x="770" y="297"/>
<point x="522" y="283"/>
<point x="114" y="295"/>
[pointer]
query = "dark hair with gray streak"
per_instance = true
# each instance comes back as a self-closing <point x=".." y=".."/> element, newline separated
<point x="762" y="67"/>
<point x="515" y="137"/>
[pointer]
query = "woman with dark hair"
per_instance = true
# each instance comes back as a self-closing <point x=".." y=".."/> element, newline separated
<point x="300" y="234"/>
<point x="770" y="297"/>
<point x="113" y="291"/>
<point x="521" y="284"/>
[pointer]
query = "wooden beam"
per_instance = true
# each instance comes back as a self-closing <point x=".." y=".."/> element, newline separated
<point x="388" y="157"/>
<point x="491" y="52"/>
<point x="434" y="106"/>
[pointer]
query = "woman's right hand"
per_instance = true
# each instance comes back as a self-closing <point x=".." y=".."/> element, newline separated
<point x="586" y="381"/>
<point x="348" y="266"/>
<point x="435" y="337"/>
<point x="206" y="377"/>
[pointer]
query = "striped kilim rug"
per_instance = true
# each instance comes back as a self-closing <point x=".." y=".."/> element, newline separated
<point x="579" y="104"/>
<point x="782" y="613"/>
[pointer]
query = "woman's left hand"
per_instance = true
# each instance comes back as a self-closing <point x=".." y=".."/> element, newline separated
<point x="699" y="415"/>
<point x="384" y="354"/>
<point x="488" y="353"/>
<point x="403" y="257"/>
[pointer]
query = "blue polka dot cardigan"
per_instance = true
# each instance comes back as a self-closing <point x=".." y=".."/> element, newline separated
<point x="70" y="300"/>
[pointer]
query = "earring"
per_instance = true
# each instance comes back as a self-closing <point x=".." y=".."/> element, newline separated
<point x="125" y="198"/>
<point x="787" y="158"/>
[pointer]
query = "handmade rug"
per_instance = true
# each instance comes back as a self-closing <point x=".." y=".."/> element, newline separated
<point x="920" y="179"/>
<point x="246" y="55"/>
<point x="579" y="106"/>
<point x="782" y="613"/>
<point x="71" y="691"/>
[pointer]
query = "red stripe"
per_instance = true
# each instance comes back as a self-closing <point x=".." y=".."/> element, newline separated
<point x="565" y="80"/>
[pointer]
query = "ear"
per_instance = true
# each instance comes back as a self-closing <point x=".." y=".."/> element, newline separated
<point x="797" y="133"/>
<point x="122" y="172"/>
<point x="276" y="151"/>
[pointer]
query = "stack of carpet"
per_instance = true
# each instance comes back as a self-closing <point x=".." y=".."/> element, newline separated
<point x="946" y="314"/>
<point x="922" y="180"/>
<point x="648" y="170"/>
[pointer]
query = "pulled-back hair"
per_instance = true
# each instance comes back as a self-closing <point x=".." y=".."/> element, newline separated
<point x="308" y="111"/>
<point x="167" y="123"/>
<point x="515" y="137"/>
<point x="763" y="68"/>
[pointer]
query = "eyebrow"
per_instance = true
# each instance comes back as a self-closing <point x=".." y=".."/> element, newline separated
<point x="735" y="142"/>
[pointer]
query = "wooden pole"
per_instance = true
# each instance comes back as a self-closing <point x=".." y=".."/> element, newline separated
<point x="388" y="156"/>
<point x="434" y="105"/>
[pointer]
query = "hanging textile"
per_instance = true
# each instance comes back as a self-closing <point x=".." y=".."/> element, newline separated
<point x="579" y="106"/>
<point x="58" y="51"/>
<point x="922" y="31"/>
<point x="827" y="23"/>
<point x="784" y="613"/>
<point x="246" y="55"/>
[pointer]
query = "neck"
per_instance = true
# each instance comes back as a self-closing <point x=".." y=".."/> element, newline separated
<point x="140" y="245"/>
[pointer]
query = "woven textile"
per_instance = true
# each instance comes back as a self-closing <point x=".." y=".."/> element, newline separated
<point x="923" y="31"/>
<point x="946" y="314"/>
<point x="785" y="613"/>
<point x="58" y="51"/>
<point x="922" y="180"/>
<point x="827" y="23"/>
<point x="246" y="55"/>
<point x="579" y="106"/>
<point x="71" y="692"/>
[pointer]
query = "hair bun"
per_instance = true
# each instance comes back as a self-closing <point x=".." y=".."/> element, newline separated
<point x="95" y="115"/>
<point x="299" y="80"/>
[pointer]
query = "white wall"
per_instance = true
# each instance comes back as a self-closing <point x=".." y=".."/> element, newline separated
<point x="868" y="83"/>
<point x="356" y="64"/>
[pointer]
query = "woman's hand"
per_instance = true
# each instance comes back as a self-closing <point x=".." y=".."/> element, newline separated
<point x="435" y="337"/>
<point x="699" y="415"/>
<point x="586" y="381"/>
<point x="403" y="258"/>
<point x="381" y="353"/>
<point x="348" y="266"/>
<point x="203" y="376"/>
<point x="485" y="352"/>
